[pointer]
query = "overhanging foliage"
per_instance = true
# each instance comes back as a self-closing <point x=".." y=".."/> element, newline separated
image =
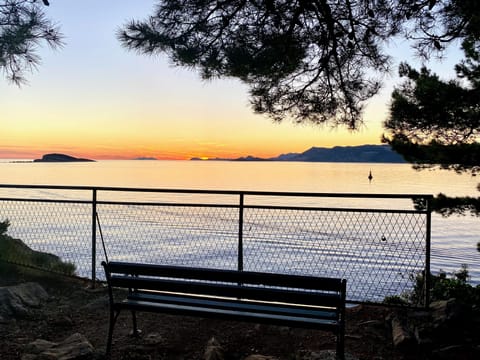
<point x="314" y="61"/>
<point x="23" y="27"/>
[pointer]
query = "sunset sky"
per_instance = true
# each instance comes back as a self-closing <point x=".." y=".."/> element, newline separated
<point x="95" y="99"/>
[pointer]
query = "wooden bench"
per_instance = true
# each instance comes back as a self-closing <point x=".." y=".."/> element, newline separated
<point x="279" y="299"/>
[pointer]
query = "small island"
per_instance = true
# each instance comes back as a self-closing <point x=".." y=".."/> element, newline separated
<point x="145" y="158"/>
<point x="61" y="158"/>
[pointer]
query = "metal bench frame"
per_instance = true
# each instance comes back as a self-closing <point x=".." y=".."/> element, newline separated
<point x="278" y="299"/>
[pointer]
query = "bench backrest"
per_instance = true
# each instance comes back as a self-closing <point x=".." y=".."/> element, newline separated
<point x="294" y="289"/>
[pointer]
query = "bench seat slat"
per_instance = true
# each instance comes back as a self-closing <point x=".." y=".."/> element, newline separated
<point x="228" y="290"/>
<point x="228" y="313"/>
<point x="254" y="278"/>
<point x="277" y="308"/>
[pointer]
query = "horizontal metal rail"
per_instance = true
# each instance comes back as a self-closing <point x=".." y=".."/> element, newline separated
<point x="165" y="204"/>
<point x="220" y="192"/>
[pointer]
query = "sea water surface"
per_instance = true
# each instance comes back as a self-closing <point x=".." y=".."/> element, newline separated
<point x="454" y="239"/>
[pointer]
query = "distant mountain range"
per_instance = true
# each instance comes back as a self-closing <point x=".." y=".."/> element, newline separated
<point x="362" y="153"/>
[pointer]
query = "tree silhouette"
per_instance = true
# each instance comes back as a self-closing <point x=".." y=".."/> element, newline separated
<point x="23" y="27"/>
<point x="436" y="123"/>
<point x="314" y="61"/>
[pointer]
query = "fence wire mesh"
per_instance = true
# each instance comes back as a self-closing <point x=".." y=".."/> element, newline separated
<point x="377" y="251"/>
<point x="59" y="229"/>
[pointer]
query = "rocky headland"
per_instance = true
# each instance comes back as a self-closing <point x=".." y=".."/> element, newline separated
<point x="346" y="154"/>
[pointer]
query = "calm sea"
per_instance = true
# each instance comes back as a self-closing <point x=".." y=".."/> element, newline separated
<point x="454" y="239"/>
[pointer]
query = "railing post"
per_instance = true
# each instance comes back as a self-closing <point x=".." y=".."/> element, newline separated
<point x="94" y="236"/>
<point x="240" y="234"/>
<point x="427" y="252"/>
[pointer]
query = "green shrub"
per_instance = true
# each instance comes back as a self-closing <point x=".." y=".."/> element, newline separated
<point x="456" y="286"/>
<point x="16" y="251"/>
<point x="443" y="286"/>
<point x="4" y="227"/>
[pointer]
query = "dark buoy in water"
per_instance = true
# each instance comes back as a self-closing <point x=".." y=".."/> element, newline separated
<point x="370" y="176"/>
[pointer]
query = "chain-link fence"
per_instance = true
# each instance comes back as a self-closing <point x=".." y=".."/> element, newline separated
<point x="378" y="249"/>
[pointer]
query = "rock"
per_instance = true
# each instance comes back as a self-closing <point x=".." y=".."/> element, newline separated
<point x="450" y="352"/>
<point x="323" y="355"/>
<point x="423" y="335"/>
<point x="153" y="339"/>
<point x="214" y="350"/>
<point x="38" y="346"/>
<point x="447" y="313"/>
<point x="401" y="335"/>
<point x="30" y="294"/>
<point x="19" y="300"/>
<point x="420" y="324"/>
<point x="75" y="347"/>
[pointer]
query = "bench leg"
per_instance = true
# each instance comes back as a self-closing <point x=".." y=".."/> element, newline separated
<point x="136" y="332"/>
<point x="340" y="345"/>
<point x="113" y="319"/>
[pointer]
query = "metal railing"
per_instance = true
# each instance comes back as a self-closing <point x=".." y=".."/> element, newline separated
<point x="378" y="242"/>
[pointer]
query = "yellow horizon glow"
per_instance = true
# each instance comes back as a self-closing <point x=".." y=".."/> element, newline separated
<point x="171" y="139"/>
